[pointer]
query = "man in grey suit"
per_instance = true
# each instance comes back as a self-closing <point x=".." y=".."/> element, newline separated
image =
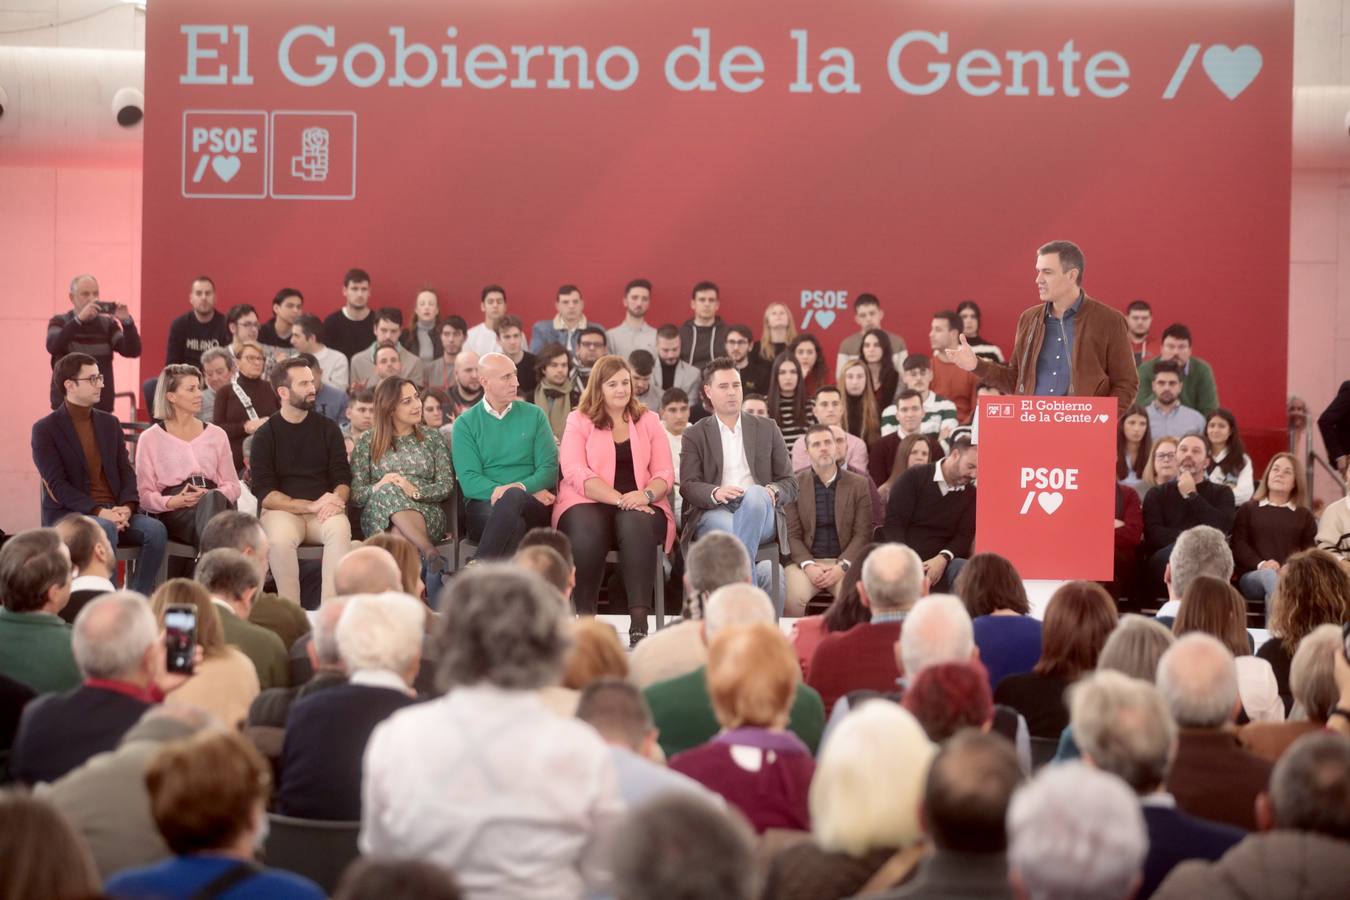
<point x="734" y="470"/>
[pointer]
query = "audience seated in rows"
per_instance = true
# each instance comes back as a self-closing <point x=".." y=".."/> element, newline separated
<point x="755" y="762"/>
<point x="1214" y="607"/>
<point x="224" y="682"/>
<point x="105" y="799"/>
<point x="1008" y="636"/>
<point x="208" y="796"/>
<point x="244" y="533"/>
<point x="843" y="613"/>
<point x="1078" y="618"/>
<point x="507" y="792"/>
<point x="1313" y="590"/>
<point x="1313" y="683"/>
<point x="865" y="810"/>
<point x="1122" y="726"/>
<point x="120" y="652"/>
<point x="35" y="581"/>
<point x="1212" y="776"/>
<point x="684" y="708"/>
<point x="379" y="638"/>
<point x="233" y="581"/>
<point x="1304" y="823"/>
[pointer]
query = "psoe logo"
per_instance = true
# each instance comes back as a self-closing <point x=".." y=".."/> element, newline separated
<point x="999" y="410"/>
<point x="1048" y="487"/>
<point x="823" y="306"/>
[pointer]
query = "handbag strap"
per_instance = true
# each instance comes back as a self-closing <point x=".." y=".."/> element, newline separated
<point x="245" y="399"/>
<point x="236" y="874"/>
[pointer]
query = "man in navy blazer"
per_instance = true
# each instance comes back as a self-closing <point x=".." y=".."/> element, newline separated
<point x="1123" y="726"/>
<point x="82" y="459"/>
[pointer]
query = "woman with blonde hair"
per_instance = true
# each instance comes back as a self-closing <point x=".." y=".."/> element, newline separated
<point x="778" y="332"/>
<point x="1275" y="523"/>
<point x="225" y="682"/>
<point x="1313" y="590"/>
<point x="405" y="555"/>
<point x="861" y="417"/>
<point x="185" y="471"/>
<point x="616" y="474"/>
<point x="401" y="472"/>
<point x="864" y="802"/>
<point x="1161" y="467"/>
<point x="594" y="655"/>
<point x="1212" y="606"/>
<point x="755" y="762"/>
<point x="245" y="403"/>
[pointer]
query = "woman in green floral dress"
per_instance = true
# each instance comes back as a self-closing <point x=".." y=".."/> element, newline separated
<point x="401" y="471"/>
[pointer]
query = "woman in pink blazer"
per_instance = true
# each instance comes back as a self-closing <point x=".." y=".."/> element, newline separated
<point x="616" y="473"/>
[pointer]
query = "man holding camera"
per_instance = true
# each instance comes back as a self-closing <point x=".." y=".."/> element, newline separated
<point x="98" y="328"/>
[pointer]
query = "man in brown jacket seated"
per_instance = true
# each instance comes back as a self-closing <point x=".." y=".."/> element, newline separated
<point x="1066" y="345"/>
<point x="829" y="523"/>
<point x="1304" y="842"/>
<point x="1212" y="777"/>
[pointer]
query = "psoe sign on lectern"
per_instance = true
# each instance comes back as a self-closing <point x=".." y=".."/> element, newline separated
<point x="1048" y="484"/>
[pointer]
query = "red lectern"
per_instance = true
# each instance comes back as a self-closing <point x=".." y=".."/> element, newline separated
<point x="1047" y="484"/>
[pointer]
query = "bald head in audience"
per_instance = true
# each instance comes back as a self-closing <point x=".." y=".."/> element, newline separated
<point x="367" y="570"/>
<point x="892" y="579"/>
<point x="1198" y="679"/>
<point x="937" y="630"/>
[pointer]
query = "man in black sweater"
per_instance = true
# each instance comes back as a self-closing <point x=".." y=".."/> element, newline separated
<point x="87" y="329"/>
<point x="348" y="329"/>
<point x="1171" y="508"/>
<point x="932" y="510"/>
<point x="192" y="334"/>
<point x="301" y="479"/>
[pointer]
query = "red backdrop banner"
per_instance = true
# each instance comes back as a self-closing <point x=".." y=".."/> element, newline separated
<point x="1047" y="484"/>
<point x="789" y="150"/>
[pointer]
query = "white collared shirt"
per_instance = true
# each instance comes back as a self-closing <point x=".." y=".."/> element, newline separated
<point x="381" y="678"/>
<point x="481" y="340"/>
<point x="494" y="785"/>
<point x="735" y="464"/>
<point x="492" y="412"/>
<point x="943" y="485"/>
<point x="1290" y="505"/>
<point x="91" y="583"/>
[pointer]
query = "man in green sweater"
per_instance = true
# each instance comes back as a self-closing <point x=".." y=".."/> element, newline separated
<point x="35" y="586"/>
<point x="682" y="707"/>
<point x="1198" y="390"/>
<point x="506" y="462"/>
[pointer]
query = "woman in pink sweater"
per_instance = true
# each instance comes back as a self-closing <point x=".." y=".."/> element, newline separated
<point x="184" y="469"/>
<point x="616" y="473"/>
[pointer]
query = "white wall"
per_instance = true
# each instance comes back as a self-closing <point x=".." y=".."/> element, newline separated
<point x="1319" y="240"/>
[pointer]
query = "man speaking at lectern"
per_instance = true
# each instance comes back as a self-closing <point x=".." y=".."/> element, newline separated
<point x="1067" y="345"/>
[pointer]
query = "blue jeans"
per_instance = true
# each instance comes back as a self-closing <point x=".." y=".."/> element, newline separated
<point x="1258" y="585"/>
<point x="150" y="535"/>
<point x="752" y="517"/>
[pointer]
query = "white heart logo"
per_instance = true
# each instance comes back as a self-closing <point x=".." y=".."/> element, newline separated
<point x="1103" y="417"/>
<point x="825" y="318"/>
<point x="1050" y="501"/>
<point x="225" y="167"/>
<point x="1232" y="70"/>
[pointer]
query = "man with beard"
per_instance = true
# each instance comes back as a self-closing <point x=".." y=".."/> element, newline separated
<point x="1191" y="500"/>
<point x="468" y="387"/>
<point x="1167" y="417"/>
<point x="301" y="479"/>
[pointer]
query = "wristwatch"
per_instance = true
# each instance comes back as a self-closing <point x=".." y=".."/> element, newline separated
<point x="651" y="498"/>
<point x="947" y="555"/>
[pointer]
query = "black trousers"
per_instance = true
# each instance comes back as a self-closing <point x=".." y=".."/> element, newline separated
<point x="186" y="525"/>
<point x="498" y="528"/>
<point x="596" y="528"/>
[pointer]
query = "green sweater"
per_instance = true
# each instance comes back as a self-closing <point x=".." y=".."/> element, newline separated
<point x="489" y="452"/>
<point x="1198" y="390"/>
<point x="683" y="712"/>
<point x="35" y="649"/>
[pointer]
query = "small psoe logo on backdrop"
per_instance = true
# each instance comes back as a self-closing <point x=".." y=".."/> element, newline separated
<point x="1048" y="488"/>
<point x="313" y="155"/>
<point x="312" y="163"/>
<point x="822" y="306"/>
<point x="999" y="410"/>
<point x="224" y="154"/>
